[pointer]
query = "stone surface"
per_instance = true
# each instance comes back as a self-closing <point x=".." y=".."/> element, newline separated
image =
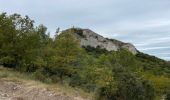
<point x="90" y="38"/>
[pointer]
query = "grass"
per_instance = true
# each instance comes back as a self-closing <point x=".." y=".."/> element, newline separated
<point x="10" y="73"/>
<point x="29" y="80"/>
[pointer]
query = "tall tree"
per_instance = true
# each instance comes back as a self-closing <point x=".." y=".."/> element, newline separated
<point x="67" y="49"/>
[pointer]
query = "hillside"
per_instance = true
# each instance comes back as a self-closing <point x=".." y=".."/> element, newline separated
<point x="107" y="69"/>
<point x="13" y="86"/>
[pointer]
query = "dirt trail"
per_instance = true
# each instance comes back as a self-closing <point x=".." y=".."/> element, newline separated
<point x="18" y="90"/>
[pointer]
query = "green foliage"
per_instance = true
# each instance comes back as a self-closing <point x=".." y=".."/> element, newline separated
<point x="95" y="51"/>
<point x="39" y="75"/>
<point x="153" y="64"/>
<point x="21" y="43"/>
<point x="167" y="95"/>
<point x="67" y="49"/>
<point x="160" y="83"/>
<point x="130" y="87"/>
<point x="111" y="75"/>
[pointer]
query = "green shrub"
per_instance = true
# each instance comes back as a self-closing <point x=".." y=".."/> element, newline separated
<point x="39" y="75"/>
<point x="168" y="95"/>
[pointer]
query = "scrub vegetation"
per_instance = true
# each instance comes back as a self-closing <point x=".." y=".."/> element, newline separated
<point x="115" y="75"/>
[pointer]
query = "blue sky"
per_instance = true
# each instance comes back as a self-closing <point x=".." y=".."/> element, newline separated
<point x="145" y="23"/>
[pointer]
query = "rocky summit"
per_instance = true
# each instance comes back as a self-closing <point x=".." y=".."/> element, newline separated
<point x="89" y="38"/>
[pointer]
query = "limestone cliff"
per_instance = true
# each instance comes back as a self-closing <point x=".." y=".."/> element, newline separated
<point x="90" y="38"/>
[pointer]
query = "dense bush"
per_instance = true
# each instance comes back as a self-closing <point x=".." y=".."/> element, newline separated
<point x="167" y="97"/>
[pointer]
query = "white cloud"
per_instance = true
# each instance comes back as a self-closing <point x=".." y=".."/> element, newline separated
<point x="153" y="48"/>
<point x="152" y="41"/>
<point x="167" y="58"/>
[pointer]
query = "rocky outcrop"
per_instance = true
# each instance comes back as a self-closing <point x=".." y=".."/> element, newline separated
<point x="92" y="39"/>
<point x="129" y="47"/>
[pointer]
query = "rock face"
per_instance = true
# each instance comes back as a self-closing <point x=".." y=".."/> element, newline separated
<point x="92" y="39"/>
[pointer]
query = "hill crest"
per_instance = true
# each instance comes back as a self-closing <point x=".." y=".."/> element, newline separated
<point x="89" y="38"/>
